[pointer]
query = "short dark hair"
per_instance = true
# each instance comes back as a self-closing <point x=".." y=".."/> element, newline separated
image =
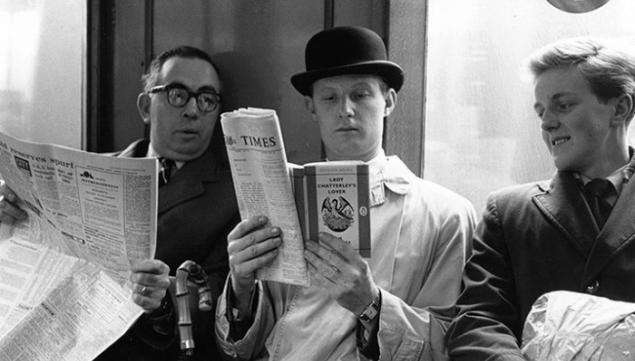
<point x="150" y="78"/>
<point x="609" y="71"/>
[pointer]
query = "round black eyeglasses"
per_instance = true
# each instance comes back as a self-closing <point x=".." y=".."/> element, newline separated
<point x="178" y="95"/>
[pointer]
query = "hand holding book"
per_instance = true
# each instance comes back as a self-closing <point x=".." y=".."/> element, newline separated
<point x="338" y="268"/>
<point x="301" y="201"/>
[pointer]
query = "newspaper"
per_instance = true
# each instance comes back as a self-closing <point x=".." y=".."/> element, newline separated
<point x="263" y="187"/>
<point x="65" y="292"/>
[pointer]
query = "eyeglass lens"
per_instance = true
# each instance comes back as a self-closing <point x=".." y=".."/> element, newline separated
<point x="206" y="101"/>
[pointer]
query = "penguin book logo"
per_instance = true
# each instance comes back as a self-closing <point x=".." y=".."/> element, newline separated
<point x="337" y="213"/>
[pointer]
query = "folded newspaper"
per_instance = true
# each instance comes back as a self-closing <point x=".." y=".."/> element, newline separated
<point x="569" y="326"/>
<point x="65" y="292"/>
<point x="263" y="187"/>
<point x="301" y="200"/>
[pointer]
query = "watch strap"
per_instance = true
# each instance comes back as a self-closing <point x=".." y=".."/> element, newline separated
<point x="372" y="310"/>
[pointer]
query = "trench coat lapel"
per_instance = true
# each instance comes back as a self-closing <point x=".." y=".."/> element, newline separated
<point x="563" y="204"/>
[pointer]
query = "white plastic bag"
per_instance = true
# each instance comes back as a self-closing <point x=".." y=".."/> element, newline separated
<point x="569" y="326"/>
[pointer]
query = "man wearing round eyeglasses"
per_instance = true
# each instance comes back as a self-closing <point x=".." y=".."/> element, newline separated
<point x="181" y="103"/>
<point x="197" y="207"/>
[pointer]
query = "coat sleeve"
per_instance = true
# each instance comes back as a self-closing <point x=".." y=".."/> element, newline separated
<point x="416" y="331"/>
<point x="487" y="314"/>
<point x="253" y="342"/>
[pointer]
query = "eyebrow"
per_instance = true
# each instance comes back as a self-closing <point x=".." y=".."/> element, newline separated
<point x="208" y="88"/>
<point x="556" y="97"/>
<point x="561" y="95"/>
<point x="203" y="88"/>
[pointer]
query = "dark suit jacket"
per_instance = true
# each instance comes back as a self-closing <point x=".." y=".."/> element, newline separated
<point x="536" y="238"/>
<point x="196" y="211"/>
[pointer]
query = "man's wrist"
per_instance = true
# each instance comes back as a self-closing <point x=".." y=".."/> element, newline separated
<point x="164" y="308"/>
<point x="371" y="311"/>
<point x="368" y="327"/>
<point x="240" y="315"/>
<point x="162" y="319"/>
<point x="239" y="306"/>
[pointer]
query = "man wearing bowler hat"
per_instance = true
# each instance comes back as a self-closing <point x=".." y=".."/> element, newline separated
<point x="356" y="309"/>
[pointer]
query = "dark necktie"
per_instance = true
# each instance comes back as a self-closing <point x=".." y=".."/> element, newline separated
<point x="597" y="191"/>
<point x="167" y="167"/>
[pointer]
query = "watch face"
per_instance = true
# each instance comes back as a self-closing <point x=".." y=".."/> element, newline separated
<point x="370" y="312"/>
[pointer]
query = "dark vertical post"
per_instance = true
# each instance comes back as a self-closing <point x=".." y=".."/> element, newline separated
<point x="99" y="123"/>
<point x="148" y="43"/>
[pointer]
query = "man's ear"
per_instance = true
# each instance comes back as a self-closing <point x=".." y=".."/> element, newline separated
<point x="623" y="110"/>
<point x="143" y="106"/>
<point x="391" y="101"/>
<point x="310" y="106"/>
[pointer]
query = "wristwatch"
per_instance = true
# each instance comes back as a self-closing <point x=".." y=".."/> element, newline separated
<point x="371" y="311"/>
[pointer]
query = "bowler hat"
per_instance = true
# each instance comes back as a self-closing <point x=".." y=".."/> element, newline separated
<point x="346" y="50"/>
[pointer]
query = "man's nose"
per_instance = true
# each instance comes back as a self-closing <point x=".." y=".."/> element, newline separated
<point x="346" y="108"/>
<point x="549" y="121"/>
<point x="191" y="108"/>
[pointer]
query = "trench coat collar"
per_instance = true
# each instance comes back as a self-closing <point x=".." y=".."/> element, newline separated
<point x="388" y="173"/>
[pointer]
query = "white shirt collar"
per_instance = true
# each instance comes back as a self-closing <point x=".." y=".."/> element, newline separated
<point x="388" y="172"/>
<point x="153" y="154"/>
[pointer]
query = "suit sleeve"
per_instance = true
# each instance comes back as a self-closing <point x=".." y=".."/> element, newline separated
<point x="162" y="333"/>
<point x="416" y="332"/>
<point x="487" y="313"/>
<point x="158" y="332"/>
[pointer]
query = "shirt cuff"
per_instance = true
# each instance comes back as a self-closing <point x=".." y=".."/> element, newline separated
<point x="239" y="324"/>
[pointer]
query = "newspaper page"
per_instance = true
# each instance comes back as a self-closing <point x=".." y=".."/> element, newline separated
<point x="65" y="292"/>
<point x="263" y="187"/>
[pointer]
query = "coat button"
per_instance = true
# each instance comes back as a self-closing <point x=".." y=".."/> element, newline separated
<point x="592" y="287"/>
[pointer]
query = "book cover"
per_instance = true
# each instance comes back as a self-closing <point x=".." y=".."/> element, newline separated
<point x="337" y="202"/>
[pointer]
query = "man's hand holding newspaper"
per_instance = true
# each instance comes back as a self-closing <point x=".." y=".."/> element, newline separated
<point x="74" y="230"/>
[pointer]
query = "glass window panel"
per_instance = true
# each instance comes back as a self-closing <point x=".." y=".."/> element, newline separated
<point x="481" y="130"/>
<point x="42" y="70"/>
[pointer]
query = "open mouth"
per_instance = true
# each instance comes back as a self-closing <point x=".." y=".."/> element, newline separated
<point x="559" y="141"/>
